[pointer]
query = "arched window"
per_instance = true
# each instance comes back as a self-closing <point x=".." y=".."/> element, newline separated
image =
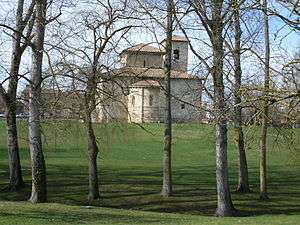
<point x="133" y="100"/>
<point x="176" y="54"/>
<point x="150" y="100"/>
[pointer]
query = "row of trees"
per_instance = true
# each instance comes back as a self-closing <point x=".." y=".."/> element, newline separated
<point x="80" y="46"/>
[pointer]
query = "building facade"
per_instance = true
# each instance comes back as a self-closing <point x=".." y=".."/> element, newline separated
<point x="135" y="92"/>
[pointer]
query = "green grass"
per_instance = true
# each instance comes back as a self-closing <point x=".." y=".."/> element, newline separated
<point x="130" y="177"/>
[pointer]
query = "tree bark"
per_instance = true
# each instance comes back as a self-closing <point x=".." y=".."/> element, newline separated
<point x="15" y="179"/>
<point x="38" y="167"/>
<point x="243" y="183"/>
<point x="225" y="206"/>
<point x="167" y="160"/>
<point x="263" y="149"/>
<point x="92" y="148"/>
<point x="9" y="98"/>
<point x="92" y="153"/>
<point x="15" y="173"/>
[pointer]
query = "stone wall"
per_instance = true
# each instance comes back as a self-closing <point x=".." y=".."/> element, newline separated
<point x="180" y="64"/>
<point x="186" y="97"/>
<point x="139" y="59"/>
<point x="112" y="101"/>
<point x="134" y="104"/>
<point x="143" y="105"/>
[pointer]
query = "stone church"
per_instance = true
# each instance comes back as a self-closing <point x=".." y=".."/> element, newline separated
<point x="135" y="92"/>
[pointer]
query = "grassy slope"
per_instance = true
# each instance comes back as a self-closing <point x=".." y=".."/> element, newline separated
<point x="130" y="174"/>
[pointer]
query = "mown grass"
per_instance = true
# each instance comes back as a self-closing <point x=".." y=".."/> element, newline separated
<point x="130" y="177"/>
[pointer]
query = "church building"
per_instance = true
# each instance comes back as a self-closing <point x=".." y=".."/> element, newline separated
<point x="135" y="92"/>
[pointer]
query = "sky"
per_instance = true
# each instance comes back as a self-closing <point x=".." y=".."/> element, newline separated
<point x="289" y="40"/>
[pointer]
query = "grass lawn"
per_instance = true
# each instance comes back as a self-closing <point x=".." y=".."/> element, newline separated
<point x="130" y="177"/>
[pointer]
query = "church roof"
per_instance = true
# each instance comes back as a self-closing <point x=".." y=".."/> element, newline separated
<point x="143" y="48"/>
<point x="147" y="83"/>
<point x="179" y="38"/>
<point x="147" y="47"/>
<point x="141" y="72"/>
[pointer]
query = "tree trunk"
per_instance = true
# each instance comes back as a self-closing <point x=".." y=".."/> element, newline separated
<point x="9" y="98"/>
<point x="38" y="167"/>
<point x="92" y="153"/>
<point x="225" y="206"/>
<point x="92" y="148"/>
<point x="243" y="184"/>
<point x="167" y="160"/>
<point x="263" y="149"/>
<point x="16" y="181"/>
<point x="15" y="174"/>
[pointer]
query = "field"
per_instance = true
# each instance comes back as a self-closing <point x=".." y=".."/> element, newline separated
<point x="130" y="177"/>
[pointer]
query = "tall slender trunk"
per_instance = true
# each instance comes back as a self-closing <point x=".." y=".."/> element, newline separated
<point x="92" y="153"/>
<point x="263" y="149"/>
<point x="15" y="173"/>
<point x="167" y="160"/>
<point x="225" y="206"/>
<point x="38" y="167"/>
<point x="92" y="148"/>
<point x="243" y="184"/>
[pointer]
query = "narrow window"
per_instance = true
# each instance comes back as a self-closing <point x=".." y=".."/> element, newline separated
<point x="182" y="106"/>
<point x="150" y="100"/>
<point x="133" y="101"/>
<point x="176" y="54"/>
<point x="144" y="63"/>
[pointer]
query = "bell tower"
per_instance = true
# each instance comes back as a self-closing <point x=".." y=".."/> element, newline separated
<point x="180" y="48"/>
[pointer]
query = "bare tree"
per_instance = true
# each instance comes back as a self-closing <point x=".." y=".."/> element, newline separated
<point x="21" y="38"/>
<point x="213" y="16"/>
<point x="38" y="167"/>
<point x="263" y="150"/>
<point x="167" y="167"/>
<point x="97" y="33"/>
<point x="243" y="184"/>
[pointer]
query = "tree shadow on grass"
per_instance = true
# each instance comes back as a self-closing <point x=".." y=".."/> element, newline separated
<point x="138" y="188"/>
<point x="85" y="216"/>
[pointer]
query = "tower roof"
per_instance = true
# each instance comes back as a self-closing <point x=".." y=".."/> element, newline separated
<point x="143" y="48"/>
<point x="179" y="38"/>
<point x="147" y="47"/>
<point x="141" y="72"/>
<point x="147" y="83"/>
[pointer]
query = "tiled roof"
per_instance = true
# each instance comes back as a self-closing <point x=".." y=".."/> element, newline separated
<point x="143" y="48"/>
<point x="179" y="38"/>
<point x="141" y="72"/>
<point x="147" y="47"/>
<point x="147" y="83"/>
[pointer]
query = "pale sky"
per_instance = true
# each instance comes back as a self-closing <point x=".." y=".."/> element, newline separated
<point x="290" y="43"/>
